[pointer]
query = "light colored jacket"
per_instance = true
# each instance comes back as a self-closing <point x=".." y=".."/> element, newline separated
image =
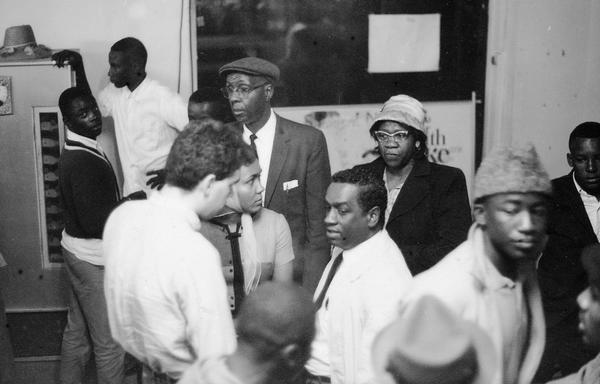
<point x="459" y="280"/>
<point x="363" y="299"/>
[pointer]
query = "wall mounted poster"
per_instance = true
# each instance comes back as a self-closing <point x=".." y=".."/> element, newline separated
<point x="450" y="132"/>
<point x="5" y="96"/>
<point x="49" y="139"/>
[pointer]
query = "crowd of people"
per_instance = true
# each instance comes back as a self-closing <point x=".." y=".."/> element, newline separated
<point x="232" y="255"/>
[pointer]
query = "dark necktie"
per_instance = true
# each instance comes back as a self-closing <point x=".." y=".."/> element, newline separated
<point x="253" y="137"/>
<point x="238" y="269"/>
<point x="334" y="267"/>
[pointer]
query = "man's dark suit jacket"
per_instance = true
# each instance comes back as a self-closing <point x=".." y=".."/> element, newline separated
<point x="560" y="272"/>
<point x="300" y="153"/>
<point x="431" y="215"/>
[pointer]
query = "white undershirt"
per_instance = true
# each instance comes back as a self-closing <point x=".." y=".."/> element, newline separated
<point x="265" y="137"/>
<point x="592" y="207"/>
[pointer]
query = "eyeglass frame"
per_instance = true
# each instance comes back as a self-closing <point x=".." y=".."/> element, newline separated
<point x="226" y="94"/>
<point x="396" y="137"/>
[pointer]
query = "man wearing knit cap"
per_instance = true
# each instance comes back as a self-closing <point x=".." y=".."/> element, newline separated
<point x="293" y="158"/>
<point x="490" y="279"/>
<point x="574" y="223"/>
<point x="428" y="212"/>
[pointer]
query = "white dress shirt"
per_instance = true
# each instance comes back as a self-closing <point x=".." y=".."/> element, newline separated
<point x="362" y="298"/>
<point x="592" y="207"/>
<point x="165" y="292"/>
<point x="147" y="121"/>
<point x="264" y="146"/>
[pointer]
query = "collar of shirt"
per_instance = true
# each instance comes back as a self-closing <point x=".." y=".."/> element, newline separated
<point x="90" y="143"/>
<point x="398" y="187"/>
<point x="487" y="272"/>
<point x="175" y="207"/>
<point x="585" y="197"/>
<point x="357" y="257"/>
<point x="138" y="90"/>
<point x="264" y="135"/>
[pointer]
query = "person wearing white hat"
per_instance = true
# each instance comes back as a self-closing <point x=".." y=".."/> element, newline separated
<point x="428" y="211"/>
<point x="490" y="279"/>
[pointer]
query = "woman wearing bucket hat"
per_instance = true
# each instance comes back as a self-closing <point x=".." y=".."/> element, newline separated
<point x="428" y="211"/>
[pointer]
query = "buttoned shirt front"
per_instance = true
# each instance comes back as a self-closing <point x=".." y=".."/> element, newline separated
<point x="592" y="207"/>
<point x="165" y="292"/>
<point x="361" y="299"/>
<point x="264" y="146"/>
<point x="147" y="122"/>
<point x="392" y="196"/>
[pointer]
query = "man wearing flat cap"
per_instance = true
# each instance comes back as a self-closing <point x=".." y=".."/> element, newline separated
<point x="428" y="211"/>
<point x="293" y="158"/>
<point x="490" y="279"/>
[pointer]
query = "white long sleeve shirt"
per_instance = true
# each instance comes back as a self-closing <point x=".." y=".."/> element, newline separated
<point x="147" y="122"/>
<point x="165" y="293"/>
<point x="361" y="300"/>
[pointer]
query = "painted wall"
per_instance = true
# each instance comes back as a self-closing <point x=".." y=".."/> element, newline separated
<point x="91" y="26"/>
<point x="547" y="74"/>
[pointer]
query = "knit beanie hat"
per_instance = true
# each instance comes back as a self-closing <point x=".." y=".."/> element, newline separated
<point x="515" y="169"/>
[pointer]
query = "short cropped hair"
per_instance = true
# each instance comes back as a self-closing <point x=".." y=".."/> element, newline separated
<point x="422" y="151"/>
<point x="133" y="48"/>
<point x="247" y="155"/>
<point x="68" y="96"/>
<point x="372" y="189"/>
<point x="213" y="95"/>
<point x="277" y="314"/>
<point x="587" y="130"/>
<point x="203" y="148"/>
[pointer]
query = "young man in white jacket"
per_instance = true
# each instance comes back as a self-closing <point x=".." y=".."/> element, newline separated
<point x="361" y="285"/>
<point x="490" y="279"/>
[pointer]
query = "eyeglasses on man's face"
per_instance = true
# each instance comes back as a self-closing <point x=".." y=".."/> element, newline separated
<point x="396" y="137"/>
<point x="242" y="90"/>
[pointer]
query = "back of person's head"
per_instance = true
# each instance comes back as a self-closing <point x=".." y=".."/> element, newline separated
<point x="68" y="96"/>
<point x="203" y="148"/>
<point x="277" y="321"/>
<point x="429" y="343"/>
<point x="587" y="130"/>
<point x="219" y="107"/>
<point x="133" y="48"/>
<point x="372" y="189"/>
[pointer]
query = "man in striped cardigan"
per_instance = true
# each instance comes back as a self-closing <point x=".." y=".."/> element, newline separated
<point x="89" y="192"/>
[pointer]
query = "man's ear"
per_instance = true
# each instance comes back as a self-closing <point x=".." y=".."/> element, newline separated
<point x="293" y="356"/>
<point x="206" y="185"/>
<point x="373" y="217"/>
<point x="269" y="91"/>
<point x="570" y="160"/>
<point x="66" y="122"/>
<point x="479" y="214"/>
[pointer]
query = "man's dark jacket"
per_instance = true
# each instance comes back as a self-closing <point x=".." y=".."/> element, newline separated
<point x="560" y="272"/>
<point x="431" y="215"/>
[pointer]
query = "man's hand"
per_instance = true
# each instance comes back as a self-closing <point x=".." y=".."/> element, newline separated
<point x="158" y="179"/>
<point x="67" y="57"/>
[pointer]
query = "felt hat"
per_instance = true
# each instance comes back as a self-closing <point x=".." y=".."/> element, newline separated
<point x="252" y="66"/>
<point x="430" y="344"/>
<point x="20" y="44"/>
<point x="515" y="169"/>
<point x="403" y="109"/>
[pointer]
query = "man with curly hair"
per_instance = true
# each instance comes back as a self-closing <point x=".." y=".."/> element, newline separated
<point x="165" y="292"/>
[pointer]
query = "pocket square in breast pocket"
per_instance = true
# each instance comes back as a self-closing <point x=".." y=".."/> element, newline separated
<point x="287" y="185"/>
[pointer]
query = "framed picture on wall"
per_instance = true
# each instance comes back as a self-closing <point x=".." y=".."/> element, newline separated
<point x="5" y="96"/>
<point x="49" y="139"/>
